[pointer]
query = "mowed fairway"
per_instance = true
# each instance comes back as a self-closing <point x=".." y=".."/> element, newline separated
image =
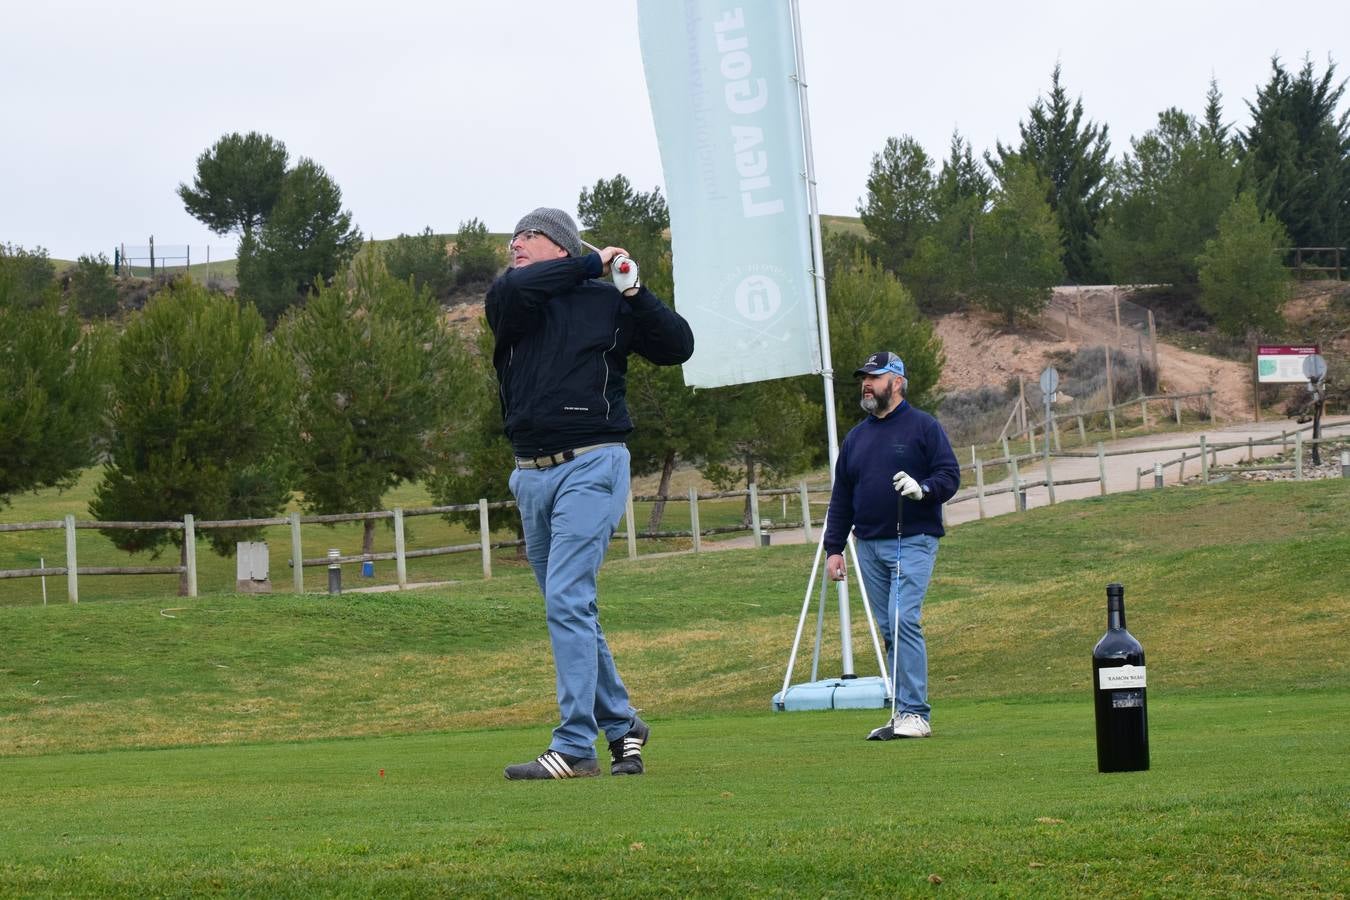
<point x="307" y="746"/>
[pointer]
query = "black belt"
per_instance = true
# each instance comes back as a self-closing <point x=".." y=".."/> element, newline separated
<point x="562" y="456"/>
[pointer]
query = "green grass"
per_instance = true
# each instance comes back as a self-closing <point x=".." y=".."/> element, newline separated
<point x="233" y="745"/>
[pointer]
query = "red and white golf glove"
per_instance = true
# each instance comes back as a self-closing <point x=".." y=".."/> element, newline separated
<point x="907" y="486"/>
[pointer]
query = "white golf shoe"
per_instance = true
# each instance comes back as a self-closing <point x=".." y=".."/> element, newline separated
<point x="911" y="725"/>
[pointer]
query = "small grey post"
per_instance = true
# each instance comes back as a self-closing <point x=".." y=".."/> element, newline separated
<point x="1157" y="475"/>
<point x="1049" y="384"/>
<point x="1345" y="463"/>
<point x="297" y="556"/>
<point x="334" y="571"/>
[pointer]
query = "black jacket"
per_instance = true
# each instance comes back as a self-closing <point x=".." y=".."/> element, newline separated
<point x="561" y="356"/>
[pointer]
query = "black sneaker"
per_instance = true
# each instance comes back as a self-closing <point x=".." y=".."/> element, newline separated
<point x="552" y="764"/>
<point x="626" y="752"/>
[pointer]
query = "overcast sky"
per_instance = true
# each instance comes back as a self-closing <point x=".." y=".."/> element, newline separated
<point x="430" y="112"/>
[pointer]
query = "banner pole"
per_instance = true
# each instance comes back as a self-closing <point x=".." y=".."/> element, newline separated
<point x="822" y="313"/>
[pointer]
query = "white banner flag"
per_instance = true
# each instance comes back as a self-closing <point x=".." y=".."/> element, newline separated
<point x="724" y="97"/>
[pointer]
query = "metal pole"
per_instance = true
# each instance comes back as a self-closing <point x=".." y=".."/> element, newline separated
<point x="334" y="571"/>
<point x="822" y="309"/>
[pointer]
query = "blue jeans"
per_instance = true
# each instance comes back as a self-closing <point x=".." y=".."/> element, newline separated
<point x="901" y="603"/>
<point x="569" y="513"/>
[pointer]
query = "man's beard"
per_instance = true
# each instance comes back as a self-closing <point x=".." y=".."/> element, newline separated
<point x="879" y="400"/>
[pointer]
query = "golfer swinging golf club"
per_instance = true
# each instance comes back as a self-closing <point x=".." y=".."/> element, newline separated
<point x="897" y="448"/>
<point x="561" y="355"/>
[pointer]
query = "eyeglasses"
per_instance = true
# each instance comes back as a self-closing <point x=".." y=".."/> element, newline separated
<point x="526" y="235"/>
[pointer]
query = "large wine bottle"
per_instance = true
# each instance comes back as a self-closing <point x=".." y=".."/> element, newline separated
<point x="1119" y="692"/>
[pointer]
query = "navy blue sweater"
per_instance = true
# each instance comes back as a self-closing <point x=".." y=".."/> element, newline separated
<point x="875" y="449"/>
<point x="563" y="340"/>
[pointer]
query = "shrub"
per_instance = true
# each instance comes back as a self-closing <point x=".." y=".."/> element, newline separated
<point x="92" y="288"/>
<point x="421" y="257"/>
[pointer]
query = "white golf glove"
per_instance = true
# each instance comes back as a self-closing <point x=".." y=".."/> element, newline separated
<point x="625" y="271"/>
<point x="907" y="486"/>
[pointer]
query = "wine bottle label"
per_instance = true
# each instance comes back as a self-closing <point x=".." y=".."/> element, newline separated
<point x="1121" y="677"/>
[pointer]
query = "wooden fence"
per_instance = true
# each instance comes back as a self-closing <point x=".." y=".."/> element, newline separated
<point x="759" y="527"/>
<point x="187" y="570"/>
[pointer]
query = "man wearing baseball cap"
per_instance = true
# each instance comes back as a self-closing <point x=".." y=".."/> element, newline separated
<point x="897" y="448"/>
<point x="561" y="355"/>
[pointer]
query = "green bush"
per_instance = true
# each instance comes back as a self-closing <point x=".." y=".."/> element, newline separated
<point x="421" y="257"/>
<point x="92" y="288"/>
<point x="477" y="256"/>
<point x="24" y="275"/>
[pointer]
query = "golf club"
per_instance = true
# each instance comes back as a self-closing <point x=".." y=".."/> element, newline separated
<point x="887" y="732"/>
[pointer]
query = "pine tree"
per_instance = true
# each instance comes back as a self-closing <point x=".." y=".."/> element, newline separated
<point x="1296" y="154"/>
<point x="1072" y="156"/>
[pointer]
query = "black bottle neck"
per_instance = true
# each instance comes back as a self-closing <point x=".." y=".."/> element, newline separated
<point x="1115" y="607"/>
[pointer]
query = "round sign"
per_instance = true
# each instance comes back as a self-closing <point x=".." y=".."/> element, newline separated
<point x="1049" y="380"/>
<point x="1314" y="367"/>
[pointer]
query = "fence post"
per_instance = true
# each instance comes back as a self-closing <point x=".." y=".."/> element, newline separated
<point x="400" y="549"/>
<point x="754" y="514"/>
<point x="1006" y="454"/>
<point x="1110" y="379"/>
<point x="1143" y="410"/>
<point x="1209" y="406"/>
<point x="806" y="511"/>
<point x="1101" y="465"/>
<point x="190" y="553"/>
<point x="1176" y="408"/>
<point x="1082" y="432"/>
<point x="72" y="578"/>
<point x="1251" y="455"/>
<point x="1054" y="429"/>
<point x="1111" y="415"/>
<point x="1049" y="480"/>
<point x="1204" y="461"/>
<point x="693" y="519"/>
<point x="1298" y="455"/>
<point x="632" y="526"/>
<point x="1153" y="343"/>
<point x="297" y="556"/>
<point x="484" y="537"/>
<point x="1284" y="441"/>
<point x="1019" y="499"/>
<point x="1181" y="468"/>
<point x="979" y="485"/>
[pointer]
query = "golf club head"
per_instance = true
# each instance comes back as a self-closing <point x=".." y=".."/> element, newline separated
<point x="884" y="733"/>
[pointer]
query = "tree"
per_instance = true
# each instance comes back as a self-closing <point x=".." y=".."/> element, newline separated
<point x="871" y="310"/>
<point x="52" y="393"/>
<point x="1296" y="154"/>
<point x="92" y="289"/>
<point x="1018" y="248"/>
<point x="1167" y="199"/>
<point x="198" y="421"/>
<point x="1242" y="282"/>
<point x="423" y="258"/>
<point x="476" y="256"/>
<point x="25" y="276"/>
<point x="939" y="271"/>
<point x="377" y="375"/>
<point x="472" y="457"/>
<point x="238" y="182"/>
<point x="307" y="237"/>
<point x="1072" y="157"/>
<point x="900" y="200"/>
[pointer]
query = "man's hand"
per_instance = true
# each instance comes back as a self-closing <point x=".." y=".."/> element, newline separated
<point x="626" y="275"/>
<point x="607" y="256"/>
<point x="835" y="567"/>
<point x="907" y="486"/>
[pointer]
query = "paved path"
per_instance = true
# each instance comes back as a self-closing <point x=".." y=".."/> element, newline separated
<point x="1121" y="469"/>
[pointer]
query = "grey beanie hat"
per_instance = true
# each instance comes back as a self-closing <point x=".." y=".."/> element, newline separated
<point x="555" y="223"/>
